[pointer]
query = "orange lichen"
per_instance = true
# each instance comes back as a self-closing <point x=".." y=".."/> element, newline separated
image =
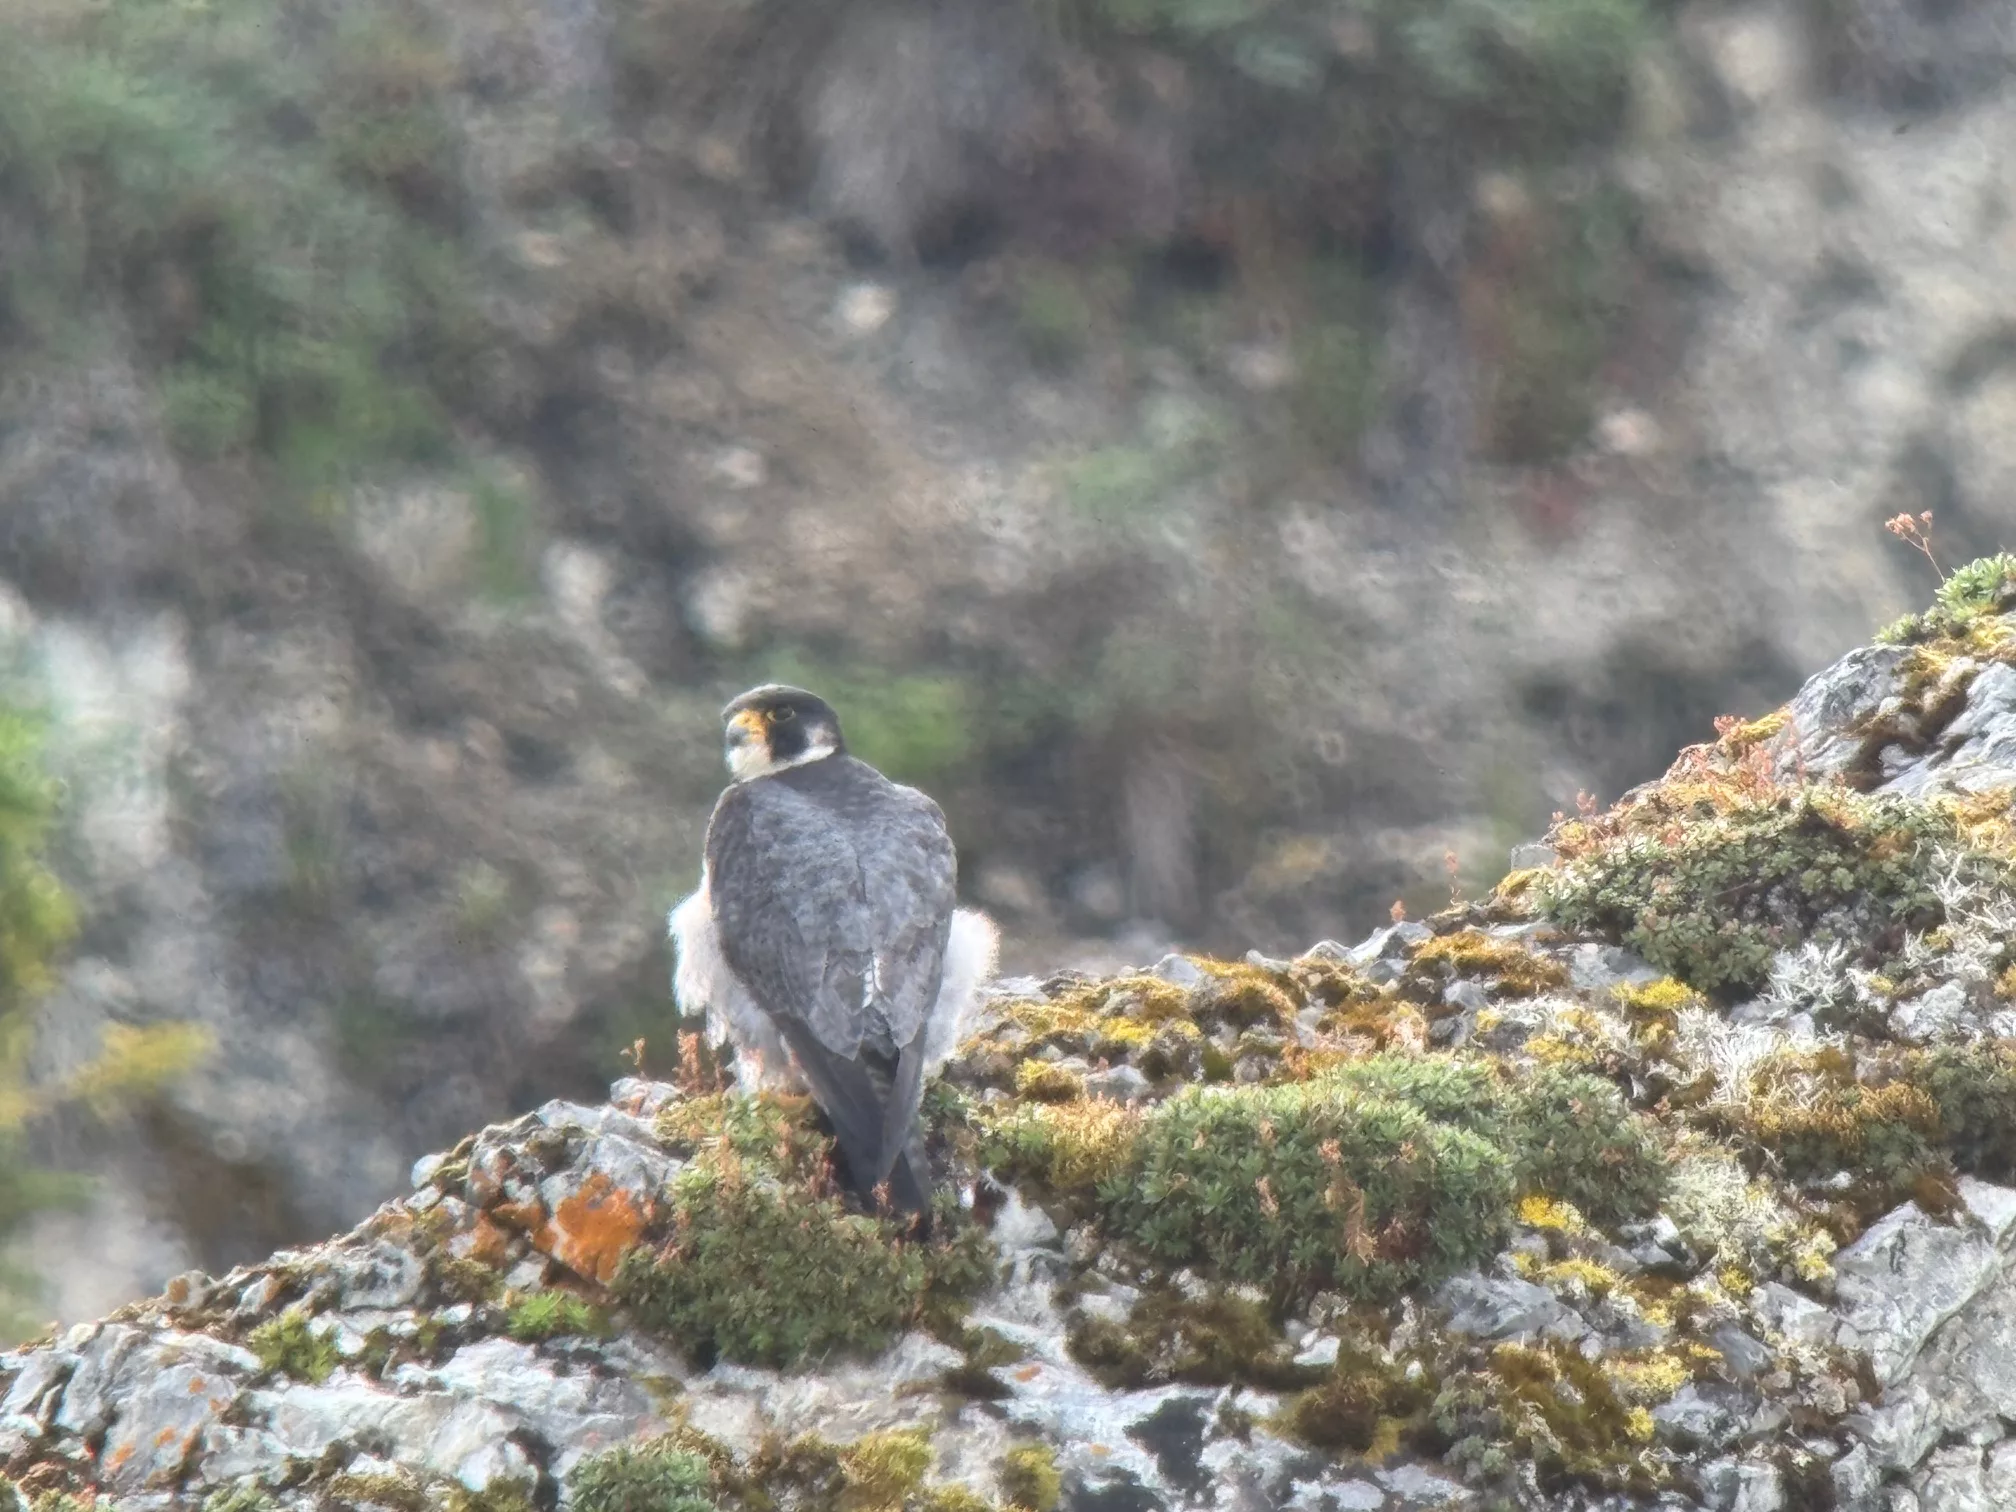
<point x="594" y="1228"/>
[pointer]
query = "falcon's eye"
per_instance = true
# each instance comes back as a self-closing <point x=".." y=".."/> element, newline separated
<point x="783" y="716"/>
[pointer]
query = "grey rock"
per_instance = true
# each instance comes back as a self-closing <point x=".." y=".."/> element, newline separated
<point x="1322" y="1350"/>
<point x="380" y="1275"/>
<point x="601" y="1120"/>
<point x="1977" y="751"/>
<point x="1746" y="1356"/>
<point x="424" y="1169"/>
<point x="1716" y="1483"/>
<point x="1698" y="1414"/>
<point x="640" y="1096"/>
<point x="162" y="1417"/>
<point x="1821" y="736"/>
<point x="37" y="1386"/>
<point x="468" y="1441"/>
<point x="1962" y="1382"/>
<point x="1503" y="1307"/>
<point x="1418" y="1486"/>
<point x="1466" y="994"/>
<point x="1909" y="1273"/>
<point x="1858" y="1484"/>
<point x="1178" y="970"/>
<point x="1533" y="853"/>
<point x="1792" y="1316"/>
<point x="1955" y="1480"/>
<point x="1388" y="944"/>
<point x="1121" y="1083"/>
<point x="1597" y="968"/>
<point x="1759" y="1488"/>
<point x="574" y="1413"/>
<point x="1932" y="1016"/>
<point x="88" y="1402"/>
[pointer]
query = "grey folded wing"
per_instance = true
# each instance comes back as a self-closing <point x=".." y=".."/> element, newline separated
<point x="835" y="917"/>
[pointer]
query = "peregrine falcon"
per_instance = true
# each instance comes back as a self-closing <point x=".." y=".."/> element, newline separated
<point x="823" y="940"/>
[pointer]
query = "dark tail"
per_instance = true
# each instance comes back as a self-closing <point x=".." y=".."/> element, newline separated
<point x="856" y="1098"/>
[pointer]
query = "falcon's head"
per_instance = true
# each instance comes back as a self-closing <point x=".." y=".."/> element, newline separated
<point x="774" y="727"/>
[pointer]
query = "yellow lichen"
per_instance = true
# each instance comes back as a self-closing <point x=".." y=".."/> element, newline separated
<point x="1071" y="1146"/>
<point x="1046" y="1081"/>
<point x="1511" y="968"/>
<point x="881" y="1470"/>
<point x="1738" y="738"/>
<point x="1548" y="1213"/>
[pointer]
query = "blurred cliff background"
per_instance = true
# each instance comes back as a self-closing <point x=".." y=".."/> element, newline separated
<point x="1250" y="459"/>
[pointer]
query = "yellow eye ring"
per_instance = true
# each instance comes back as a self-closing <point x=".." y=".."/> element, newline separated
<point x="783" y="716"/>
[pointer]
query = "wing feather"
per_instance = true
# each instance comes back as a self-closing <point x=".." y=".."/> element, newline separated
<point x="833" y="892"/>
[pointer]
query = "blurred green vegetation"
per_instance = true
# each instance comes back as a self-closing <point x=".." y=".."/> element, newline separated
<point x="914" y="726"/>
<point x="37" y="920"/>
<point x="1524" y="75"/>
<point x="269" y="193"/>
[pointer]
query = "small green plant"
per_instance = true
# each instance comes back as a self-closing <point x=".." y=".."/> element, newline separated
<point x="1966" y="596"/>
<point x="764" y="1264"/>
<point x="553" y="1315"/>
<point x="1973" y="1087"/>
<point x="652" y="1477"/>
<point x="291" y="1346"/>
<point x="1030" y="1479"/>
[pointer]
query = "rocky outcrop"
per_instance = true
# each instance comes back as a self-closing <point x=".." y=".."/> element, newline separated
<point x="1491" y="1209"/>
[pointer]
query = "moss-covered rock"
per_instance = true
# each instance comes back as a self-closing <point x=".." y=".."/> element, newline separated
<point x="1709" y="876"/>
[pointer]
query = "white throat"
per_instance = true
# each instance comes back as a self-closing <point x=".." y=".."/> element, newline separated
<point x="751" y="760"/>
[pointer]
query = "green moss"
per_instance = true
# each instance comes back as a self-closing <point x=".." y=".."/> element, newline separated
<point x="462" y="1279"/>
<point x="883" y="1470"/>
<point x="1069" y="1148"/>
<point x="507" y="1494"/>
<point x="1212" y="1341"/>
<point x="554" y="1314"/>
<point x="763" y="1263"/>
<point x="655" y="1477"/>
<point x="1366" y="1406"/>
<point x="1030" y="1479"/>
<point x="1812" y="1116"/>
<point x="1710" y="883"/>
<point x="1565" y="1134"/>
<point x="402" y="1490"/>
<point x="1309" y="1186"/>
<point x="1571" y="1419"/>
<point x="1571" y="1136"/>
<point x="1508" y="966"/>
<point x="290" y="1346"/>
